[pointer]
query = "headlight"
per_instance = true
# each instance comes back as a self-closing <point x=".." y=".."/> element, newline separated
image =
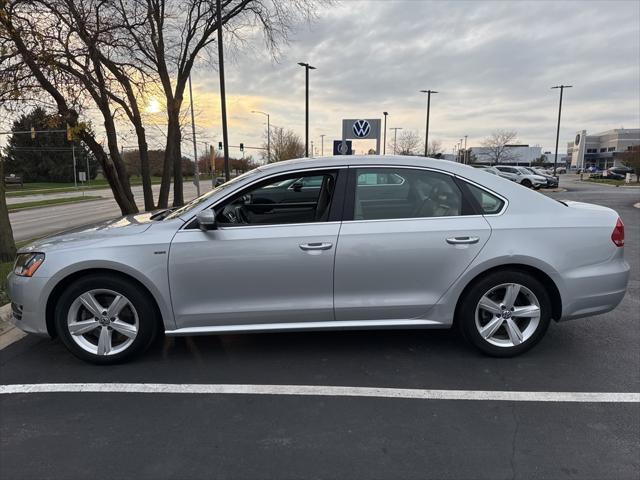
<point x="27" y="264"/>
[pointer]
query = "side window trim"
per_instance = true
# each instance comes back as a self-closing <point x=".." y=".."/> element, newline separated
<point x="473" y="200"/>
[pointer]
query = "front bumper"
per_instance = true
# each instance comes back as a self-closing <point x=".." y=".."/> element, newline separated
<point x="28" y="303"/>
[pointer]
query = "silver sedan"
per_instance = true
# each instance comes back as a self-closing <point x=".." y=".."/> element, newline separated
<point x="331" y="243"/>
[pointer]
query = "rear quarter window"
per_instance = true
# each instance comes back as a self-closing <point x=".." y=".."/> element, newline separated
<point x="489" y="203"/>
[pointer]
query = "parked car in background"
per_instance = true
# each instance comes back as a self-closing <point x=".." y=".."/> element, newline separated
<point x="621" y="170"/>
<point x="523" y="176"/>
<point x="495" y="171"/>
<point x="383" y="242"/>
<point x="552" y="182"/>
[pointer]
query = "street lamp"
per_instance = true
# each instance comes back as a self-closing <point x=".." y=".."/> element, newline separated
<point x="384" y="143"/>
<point x="555" y="160"/>
<point x="322" y="145"/>
<point x="426" y="135"/>
<point x="268" y="134"/>
<point x="307" y="67"/>
<point x="395" y="137"/>
<point x="223" y="97"/>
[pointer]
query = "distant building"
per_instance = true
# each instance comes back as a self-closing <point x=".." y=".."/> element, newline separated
<point x="602" y="150"/>
<point x="516" y="155"/>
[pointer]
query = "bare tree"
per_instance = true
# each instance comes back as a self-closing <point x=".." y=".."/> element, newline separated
<point x="435" y="149"/>
<point x="408" y="143"/>
<point x="170" y="34"/>
<point x="29" y="35"/>
<point x="497" y="146"/>
<point x="631" y="158"/>
<point x="285" y="145"/>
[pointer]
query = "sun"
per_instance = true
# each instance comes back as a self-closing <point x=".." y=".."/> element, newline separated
<point x="154" y="106"/>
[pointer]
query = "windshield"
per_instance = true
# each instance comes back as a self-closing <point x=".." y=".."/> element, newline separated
<point x="197" y="201"/>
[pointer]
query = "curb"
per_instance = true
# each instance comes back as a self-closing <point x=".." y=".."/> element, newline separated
<point x="8" y="332"/>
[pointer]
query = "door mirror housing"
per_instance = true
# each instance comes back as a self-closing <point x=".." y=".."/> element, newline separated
<point x="297" y="187"/>
<point x="206" y="219"/>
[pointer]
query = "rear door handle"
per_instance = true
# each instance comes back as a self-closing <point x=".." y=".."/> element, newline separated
<point x="462" y="240"/>
<point x="316" y="246"/>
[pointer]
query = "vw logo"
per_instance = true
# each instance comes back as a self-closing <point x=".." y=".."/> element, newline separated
<point x="361" y="128"/>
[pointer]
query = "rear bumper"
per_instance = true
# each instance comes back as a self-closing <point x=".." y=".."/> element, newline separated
<point x="596" y="289"/>
<point x="27" y="305"/>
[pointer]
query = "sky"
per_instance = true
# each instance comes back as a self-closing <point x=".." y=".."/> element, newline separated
<point x="493" y="64"/>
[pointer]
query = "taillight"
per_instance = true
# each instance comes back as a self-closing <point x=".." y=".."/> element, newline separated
<point x="618" y="234"/>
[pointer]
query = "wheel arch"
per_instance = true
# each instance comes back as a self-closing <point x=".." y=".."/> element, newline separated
<point x="70" y="278"/>
<point x="541" y="276"/>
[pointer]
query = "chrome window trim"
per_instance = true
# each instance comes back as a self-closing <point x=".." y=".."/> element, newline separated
<point x="263" y="226"/>
<point x="215" y="203"/>
<point x="464" y="179"/>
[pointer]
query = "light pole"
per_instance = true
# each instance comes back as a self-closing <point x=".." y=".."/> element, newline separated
<point x="555" y="159"/>
<point x="465" y="149"/>
<point x="195" y="149"/>
<point x="322" y="145"/>
<point x="268" y="134"/>
<point x="223" y="101"/>
<point x="395" y="137"/>
<point x="384" y="142"/>
<point x="307" y="67"/>
<point x="426" y="135"/>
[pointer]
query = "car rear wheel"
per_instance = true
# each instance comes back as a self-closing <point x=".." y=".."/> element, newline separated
<point x="505" y="313"/>
<point x="105" y="319"/>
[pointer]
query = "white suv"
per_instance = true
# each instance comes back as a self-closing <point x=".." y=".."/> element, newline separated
<point x="523" y="176"/>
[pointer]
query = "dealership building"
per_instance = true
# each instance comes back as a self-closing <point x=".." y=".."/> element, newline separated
<point x="601" y="149"/>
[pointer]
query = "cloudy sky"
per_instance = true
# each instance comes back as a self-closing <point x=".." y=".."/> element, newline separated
<point x="492" y="62"/>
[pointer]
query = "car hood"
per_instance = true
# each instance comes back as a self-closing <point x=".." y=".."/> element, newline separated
<point x="127" y="225"/>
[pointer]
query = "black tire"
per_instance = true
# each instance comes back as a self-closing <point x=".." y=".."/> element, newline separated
<point x="466" y="311"/>
<point x="140" y="300"/>
<point x="526" y="183"/>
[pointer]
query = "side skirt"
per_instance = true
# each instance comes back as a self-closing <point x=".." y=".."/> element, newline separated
<point x="305" y="326"/>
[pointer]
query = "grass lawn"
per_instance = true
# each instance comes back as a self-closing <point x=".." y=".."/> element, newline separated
<point x="606" y="180"/>
<point x="38" y="188"/>
<point x="54" y="201"/>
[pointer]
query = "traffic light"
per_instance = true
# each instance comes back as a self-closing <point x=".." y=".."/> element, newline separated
<point x="219" y="145"/>
<point x="33" y="133"/>
<point x="242" y="147"/>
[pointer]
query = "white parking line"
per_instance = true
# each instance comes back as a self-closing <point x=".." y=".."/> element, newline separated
<point x="323" y="391"/>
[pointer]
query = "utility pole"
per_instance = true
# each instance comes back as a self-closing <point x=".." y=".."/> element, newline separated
<point x="555" y="159"/>
<point x="426" y="135"/>
<point x="395" y="137"/>
<point x="268" y="134"/>
<point x="307" y="67"/>
<point x="466" y="160"/>
<point x="223" y="101"/>
<point x="384" y="142"/>
<point x="322" y="145"/>
<point x="196" y="176"/>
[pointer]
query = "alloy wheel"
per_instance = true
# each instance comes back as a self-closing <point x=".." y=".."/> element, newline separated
<point x="507" y="315"/>
<point x="103" y="322"/>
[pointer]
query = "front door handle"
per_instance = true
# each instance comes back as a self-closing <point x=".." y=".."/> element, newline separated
<point x="462" y="240"/>
<point x="316" y="246"/>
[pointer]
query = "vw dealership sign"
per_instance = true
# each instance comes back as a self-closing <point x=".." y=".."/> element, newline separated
<point x="362" y="129"/>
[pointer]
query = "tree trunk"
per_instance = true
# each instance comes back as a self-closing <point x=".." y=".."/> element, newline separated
<point x="173" y="152"/>
<point x="126" y="206"/>
<point x="7" y="245"/>
<point x="145" y="172"/>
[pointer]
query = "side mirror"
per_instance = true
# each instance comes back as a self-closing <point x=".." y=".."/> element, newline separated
<point x="297" y="187"/>
<point x="206" y="219"/>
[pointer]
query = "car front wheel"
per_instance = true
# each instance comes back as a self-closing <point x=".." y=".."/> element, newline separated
<point x="526" y="183"/>
<point x="105" y="319"/>
<point x="505" y="313"/>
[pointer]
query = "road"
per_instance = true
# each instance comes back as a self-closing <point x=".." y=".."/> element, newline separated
<point x="38" y="222"/>
<point x="252" y="435"/>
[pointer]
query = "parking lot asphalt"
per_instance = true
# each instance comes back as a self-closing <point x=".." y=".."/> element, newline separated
<point x="185" y="435"/>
